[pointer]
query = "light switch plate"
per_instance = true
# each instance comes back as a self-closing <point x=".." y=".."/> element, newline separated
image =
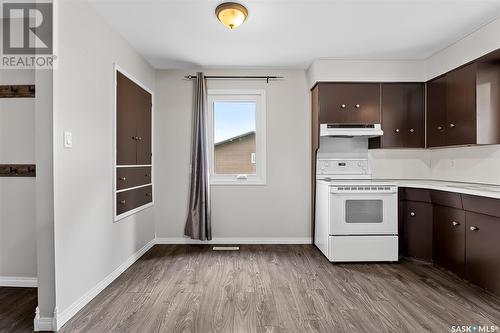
<point x="68" y="139"/>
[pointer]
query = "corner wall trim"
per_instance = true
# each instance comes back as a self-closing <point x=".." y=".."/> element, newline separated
<point x="229" y="240"/>
<point x="18" y="281"/>
<point x="43" y="323"/>
<point x="62" y="317"/>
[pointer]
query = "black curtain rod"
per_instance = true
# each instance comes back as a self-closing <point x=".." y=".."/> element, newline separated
<point x="246" y="77"/>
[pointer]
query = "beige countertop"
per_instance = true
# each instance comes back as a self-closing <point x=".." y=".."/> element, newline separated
<point x="485" y="190"/>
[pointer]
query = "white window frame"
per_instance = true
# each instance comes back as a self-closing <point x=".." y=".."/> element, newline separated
<point x="259" y="98"/>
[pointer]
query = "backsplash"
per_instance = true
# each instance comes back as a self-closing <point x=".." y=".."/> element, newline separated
<point x="478" y="164"/>
<point x="475" y="164"/>
<point x="400" y="163"/>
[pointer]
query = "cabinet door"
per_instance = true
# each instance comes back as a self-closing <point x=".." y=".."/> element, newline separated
<point x="461" y="106"/>
<point x="126" y="106"/>
<point x="144" y="128"/>
<point x="415" y="104"/>
<point x="349" y="103"/>
<point x="436" y="112"/>
<point x="401" y="229"/>
<point x="418" y="229"/>
<point x="449" y="238"/>
<point x="403" y="115"/>
<point x="482" y="265"/>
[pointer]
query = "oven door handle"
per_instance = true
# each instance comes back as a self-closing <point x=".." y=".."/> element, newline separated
<point x="382" y="192"/>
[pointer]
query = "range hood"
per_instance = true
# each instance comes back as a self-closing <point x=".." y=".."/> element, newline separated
<point x="351" y="130"/>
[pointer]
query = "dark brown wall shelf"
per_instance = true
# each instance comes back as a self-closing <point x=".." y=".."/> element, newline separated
<point x="17" y="170"/>
<point x="17" y="91"/>
<point x="133" y="169"/>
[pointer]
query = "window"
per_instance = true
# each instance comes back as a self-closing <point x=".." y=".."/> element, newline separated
<point x="237" y="136"/>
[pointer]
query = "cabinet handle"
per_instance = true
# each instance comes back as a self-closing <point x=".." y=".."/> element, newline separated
<point x="396" y="130"/>
<point x="139" y="138"/>
<point x="123" y="202"/>
<point x="412" y="214"/>
<point x="148" y="194"/>
<point x="473" y="228"/>
<point x="147" y="175"/>
<point x="343" y="106"/>
<point x="123" y="178"/>
<point x="440" y="128"/>
<point x="357" y="106"/>
<point x="455" y="223"/>
<point x="412" y="130"/>
<point x="135" y="138"/>
<point x="452" y="125"/>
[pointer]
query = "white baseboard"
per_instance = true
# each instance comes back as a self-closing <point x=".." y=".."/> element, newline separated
<point x="43" y="323"/>
<point x="18" y="281"/>
<point x="62" y="317"/>
<point x="228" y="240"/>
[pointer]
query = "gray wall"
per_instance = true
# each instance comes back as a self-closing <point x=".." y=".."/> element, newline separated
<point x="88" y="245"/>
<point x="278" y="210"/>
<point x="45" y="192"/>
<point x="17" y="195"/>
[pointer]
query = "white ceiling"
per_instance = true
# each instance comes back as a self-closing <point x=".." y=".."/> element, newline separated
<point x="280" y="33"/>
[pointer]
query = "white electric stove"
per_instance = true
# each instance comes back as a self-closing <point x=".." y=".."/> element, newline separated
<point x="356" y="217"/>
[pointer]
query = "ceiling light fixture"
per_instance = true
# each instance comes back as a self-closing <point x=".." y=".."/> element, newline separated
<point x="231" y="14"/>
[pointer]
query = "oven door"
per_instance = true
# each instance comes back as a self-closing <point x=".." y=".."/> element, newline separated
<point x="364" y="212"/>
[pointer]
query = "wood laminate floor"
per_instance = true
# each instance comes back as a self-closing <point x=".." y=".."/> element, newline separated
<point x="280" y="288"/>
<point x="17" y="309"/>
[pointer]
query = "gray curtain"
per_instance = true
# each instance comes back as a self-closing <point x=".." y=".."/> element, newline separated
<point x="198" y="224"/>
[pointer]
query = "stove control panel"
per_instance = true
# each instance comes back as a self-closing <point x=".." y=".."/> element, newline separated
<point x="342" y="167"/>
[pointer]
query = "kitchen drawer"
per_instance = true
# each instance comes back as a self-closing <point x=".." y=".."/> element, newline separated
<point x="482" y="205"/>
<point x="131" y="199"/>
<point x="363" y="248"/>
<point x="417" y="194"/>
<point x="132" y="177"/>
<point x="448" y="199"/>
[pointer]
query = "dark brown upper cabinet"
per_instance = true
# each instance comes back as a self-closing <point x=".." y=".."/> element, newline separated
<point x="436" y="112"/>
<point x="133" y="125"/>
<point x="349" y="103"/>
<point x="462" y="107"/>
<point x="403" y="116"/>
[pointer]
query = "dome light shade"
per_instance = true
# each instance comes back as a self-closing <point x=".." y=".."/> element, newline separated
<point x="231" y="14"/>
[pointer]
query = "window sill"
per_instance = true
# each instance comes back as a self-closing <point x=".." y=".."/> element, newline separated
<point x="247" y="182"/>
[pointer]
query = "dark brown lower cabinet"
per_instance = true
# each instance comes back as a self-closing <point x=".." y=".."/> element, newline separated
<point x="449" y="238"/>
<point x="418" y="229"/>
<point x="131" y="199"/>
<point x="483" y="251"/>
<point x="401" y="230"/>
<point x="459" y="232"/>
